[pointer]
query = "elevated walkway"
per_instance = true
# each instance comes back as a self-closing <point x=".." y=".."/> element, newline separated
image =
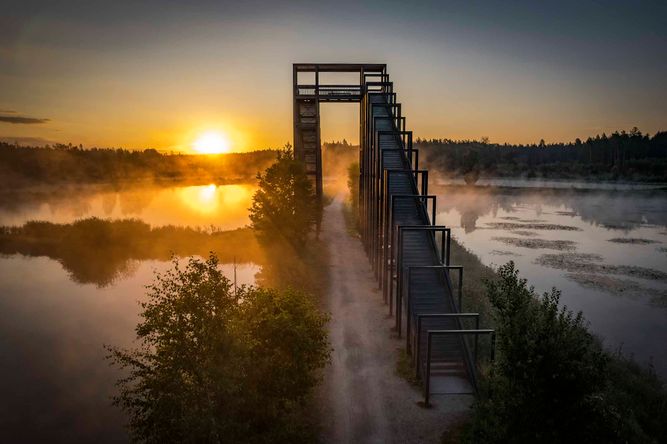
<point x="409" y="252"/>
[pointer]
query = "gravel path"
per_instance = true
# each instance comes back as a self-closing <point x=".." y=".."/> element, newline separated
<point x="362" y="399"/>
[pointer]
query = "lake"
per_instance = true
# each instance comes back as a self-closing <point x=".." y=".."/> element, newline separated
<point x="64" y="295"/>
<point x="603" y="245"/>
<point x="71" y="282"/>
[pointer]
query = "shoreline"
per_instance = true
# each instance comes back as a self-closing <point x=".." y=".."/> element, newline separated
<point x="551" y="184"/>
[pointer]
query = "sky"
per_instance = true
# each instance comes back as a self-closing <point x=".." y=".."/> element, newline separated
<point x="139" y="74"/>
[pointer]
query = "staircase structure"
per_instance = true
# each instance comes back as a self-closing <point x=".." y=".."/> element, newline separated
<point x="409" y="252"/>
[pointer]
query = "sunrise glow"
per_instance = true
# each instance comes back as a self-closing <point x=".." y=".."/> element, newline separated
<point x="211" y="142"/>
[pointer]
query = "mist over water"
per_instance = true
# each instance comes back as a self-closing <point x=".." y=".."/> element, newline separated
<point x="224" y="206"/>
<point x="71" y="280"/>
<point x="604" y="249"/>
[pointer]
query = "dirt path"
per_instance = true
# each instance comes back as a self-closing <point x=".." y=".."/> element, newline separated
<point x="363" y="400"/>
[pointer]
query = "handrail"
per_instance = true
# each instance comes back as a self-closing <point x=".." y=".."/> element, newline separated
<point x="432" y="333"/>
<point x="388" y="224"/>
<point x="384" y="131"/>
<point x="408" y="301"/>
<point x="417" y="354"/>
<point x="331" y="85"/>
<point x="444" y="257"/>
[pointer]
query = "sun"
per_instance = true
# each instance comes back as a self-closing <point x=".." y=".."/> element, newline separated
<point x="211" y="142"/>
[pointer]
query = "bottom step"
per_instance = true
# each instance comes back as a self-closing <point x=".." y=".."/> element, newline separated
<point x="450" y="385"/>
<point x="448" y="368"/>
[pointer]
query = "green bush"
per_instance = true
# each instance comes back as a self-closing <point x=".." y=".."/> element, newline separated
<point x="552" y="382"/>
<point x="219" y="365"/>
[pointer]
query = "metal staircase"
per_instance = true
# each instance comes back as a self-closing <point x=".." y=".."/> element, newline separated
<point x="409" y="252"/>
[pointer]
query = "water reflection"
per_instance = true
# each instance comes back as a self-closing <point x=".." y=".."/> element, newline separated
<point x="623" y="292"/>
<point x="74" y="262"/>
<point x="55" y="384"/>
<point x="211" y="199"/>
<point x="100" y="251"/>
<point x="223" y="205"/>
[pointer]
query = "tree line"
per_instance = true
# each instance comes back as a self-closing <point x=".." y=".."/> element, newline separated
<point x="621" y="155"/>
<point x="63" y="164"/>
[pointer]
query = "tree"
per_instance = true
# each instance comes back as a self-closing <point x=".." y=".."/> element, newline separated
<point x="215" y="365"/>
<point x="285" y="206"/>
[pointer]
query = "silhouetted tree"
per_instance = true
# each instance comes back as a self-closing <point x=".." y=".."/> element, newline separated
<point x="285" y="206"/>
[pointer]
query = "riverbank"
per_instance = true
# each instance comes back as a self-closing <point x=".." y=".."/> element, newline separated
<point x="581" y="184"/>
<point x="635" y="393"/>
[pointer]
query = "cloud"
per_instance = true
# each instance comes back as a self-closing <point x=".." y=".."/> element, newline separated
<point x="22" y="120"/>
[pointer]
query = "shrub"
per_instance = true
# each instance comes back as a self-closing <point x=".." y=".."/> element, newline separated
<point x="553" y="382"/>
<point x="218" y="365"/>
<point x="547" y="382"/>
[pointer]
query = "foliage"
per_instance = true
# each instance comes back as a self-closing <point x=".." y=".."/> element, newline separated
<point x="552" y="382"/>
<point x="639" y="399"/>
<point x="405" y="370"/>
<point x="215" y="365"/>
<point x="351" y="207"/>
<point x="470" y="167"/>
<point x="306" y="269"/>
<point x="285" y="207"/>
<point x="622" y="155"/>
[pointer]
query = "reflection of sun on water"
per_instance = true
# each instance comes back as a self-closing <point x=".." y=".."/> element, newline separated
<point x="203" y="199"/>
<point x="207" y="194"/>
<point x="209" y="199"/>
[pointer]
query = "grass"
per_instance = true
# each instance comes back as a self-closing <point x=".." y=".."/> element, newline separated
<point x="405" y="370"/>
<point x="456" y="431"/>
<point x="475" y="273"/>
<point x="351" y="222"/>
